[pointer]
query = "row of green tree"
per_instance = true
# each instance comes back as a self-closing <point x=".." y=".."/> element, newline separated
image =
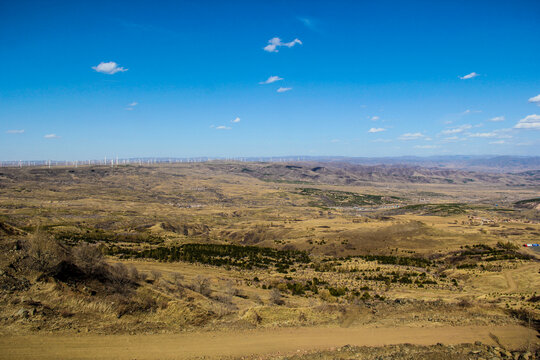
<point x="246" y="257"/>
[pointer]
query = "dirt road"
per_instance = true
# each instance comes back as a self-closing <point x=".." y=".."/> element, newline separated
<point x="509" y="276"/>
<point x="215" y="345"/>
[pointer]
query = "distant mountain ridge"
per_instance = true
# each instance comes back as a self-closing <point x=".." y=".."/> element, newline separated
<point x="486" y="163"/>
<point x="501" y="163"/>
<point x="347" y="173"/>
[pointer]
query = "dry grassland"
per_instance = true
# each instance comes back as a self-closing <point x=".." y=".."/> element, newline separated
<point x="252" y="248"/>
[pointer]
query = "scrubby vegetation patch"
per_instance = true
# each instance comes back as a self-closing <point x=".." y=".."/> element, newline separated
<point x="246" y="257"/>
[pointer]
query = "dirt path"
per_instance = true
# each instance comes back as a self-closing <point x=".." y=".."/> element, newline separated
<point x="512" y="286"/>
<point x="510" y="282"/>
<point x="216" y="345"/>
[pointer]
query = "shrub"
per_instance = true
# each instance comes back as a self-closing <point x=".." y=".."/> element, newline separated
<point x="275" y="297"/>
<point x="508" y="246"/>
<point x="465" y="303"/>
<point x="337" y="291"/>
<point x="177" y="277"/>
<point x="44" y="251"/>
<point x="201" y="284"/>
<point x="296" y="288"/>
<point x="155" y="274"/>
<point x="134" y="273"/>
<point x="119" y="277"/>
<point x="88" y="258"/>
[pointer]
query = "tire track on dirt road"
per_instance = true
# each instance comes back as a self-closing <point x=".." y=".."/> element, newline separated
<point x="511" y="284"/>
<point x="220" y="344"/>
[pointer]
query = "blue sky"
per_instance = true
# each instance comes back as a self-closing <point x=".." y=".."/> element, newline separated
<point x="84" y="80"/>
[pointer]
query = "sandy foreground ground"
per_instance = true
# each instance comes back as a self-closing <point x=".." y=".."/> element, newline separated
<point x="219" y="344"/>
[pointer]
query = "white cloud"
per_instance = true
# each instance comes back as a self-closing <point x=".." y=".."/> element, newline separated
<point x="426" y="146"/>
<point x="132" y="105"/>
<point x="235" y="120"/>
<point x="411" y="136"/>
<point x="497" y="118"/>
<point x="535" y="100"/>
<point x="15" y="131"/>
<point x="381" y="140"/>
<point x="469" y="76"/>
<point x="498" y="142"/>
<point x="451" y="139"/>
<point x="51" y="136"/>
<point x="484" y="135"/>
<point x="469" y="111"/>
<point x="375" y="118"/>
<point x="283" y="89"/>
<point x="309" y="23"/>
<point x="108" y="68"/>
<point x="529" y="122"/>
<point x="376" y="130"/>
<point x="275" y="43"/>
<point x="499" y="134"/>
<point x="270" y="80"/>
<point x="223" y="127"/>
<point x="456" y="130"/>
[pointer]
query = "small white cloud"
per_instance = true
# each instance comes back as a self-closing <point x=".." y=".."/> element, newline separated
<point x="469" y="111"/>
<point x="498" y="142"/>
<point x="108" y="68"/>
<point x="309" y="23"/>
<point x="376" y="130"/>
<point x="51" y="136"/>
<point x="497" y="118"/>
<point x="484" y="135"/>
<point x="456" y="130"/>
<point x="426" y="146"/>
<point x="411" y="136"/>
<point x="15" y="131"/>
<point x="275" y="43"/>
<point x="469" y="76"/>
<point x="271" y="79"/>
<point x="381" y="140"/>
<point x="535" y="100"/>
<point x="499" y="134"/>
<point x="235" y="120"/>
<point x="529" y="122"/>
<point x="133" y="104"/>
<point x="223" y="127"/>
<point x="283" y="89"/>
<point x="375" y="118"/>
